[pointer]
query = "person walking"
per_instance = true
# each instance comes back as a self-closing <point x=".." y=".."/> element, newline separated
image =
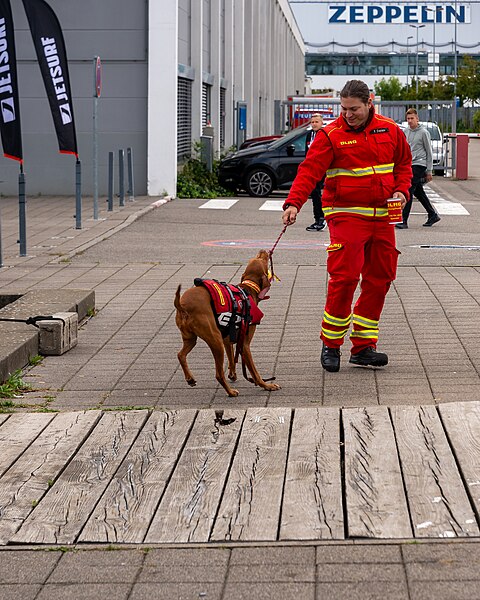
<point x="319" y="223"/>
<point x="420" y="144"/>
<point x="366" y="160"/>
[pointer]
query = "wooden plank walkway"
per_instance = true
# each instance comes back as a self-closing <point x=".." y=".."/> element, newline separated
<point x="264" y="474"/>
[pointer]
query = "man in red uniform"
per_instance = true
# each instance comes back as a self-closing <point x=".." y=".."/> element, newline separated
<point x="366" y="159"/>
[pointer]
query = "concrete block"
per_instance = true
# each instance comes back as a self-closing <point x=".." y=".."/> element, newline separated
<point x="59" y="334"/>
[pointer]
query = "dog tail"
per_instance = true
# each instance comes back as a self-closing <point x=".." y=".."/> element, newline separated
<point x="176" y="301"/>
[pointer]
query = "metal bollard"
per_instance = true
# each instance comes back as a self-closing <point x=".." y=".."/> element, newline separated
<point x="22" y="214"/>
<point x="110" y="181"/>
<point x="78" y="195"/>
<point x="130" y="191"/>
<point x="121" y="177"/>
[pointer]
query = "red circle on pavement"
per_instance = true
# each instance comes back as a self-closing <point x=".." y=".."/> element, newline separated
<point x="287" y="245"/>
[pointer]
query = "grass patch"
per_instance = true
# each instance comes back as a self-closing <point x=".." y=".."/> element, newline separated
<point x="13" y="386"/>
<point x="35" y="360"/>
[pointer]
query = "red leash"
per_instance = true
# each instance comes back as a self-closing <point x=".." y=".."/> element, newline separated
<point x="270" y="252"/>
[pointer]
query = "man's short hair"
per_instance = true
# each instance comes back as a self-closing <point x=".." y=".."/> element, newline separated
<point x="412" y="111"/>
<point x="317" y="115"/>
<point x="355" y="88"/>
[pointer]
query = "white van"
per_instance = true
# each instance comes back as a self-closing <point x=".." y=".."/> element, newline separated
<point x="438" y="145"/>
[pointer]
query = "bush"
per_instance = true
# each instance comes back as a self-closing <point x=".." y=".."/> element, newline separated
<point x="196" y="181"/>
<point x="476" y="121"/>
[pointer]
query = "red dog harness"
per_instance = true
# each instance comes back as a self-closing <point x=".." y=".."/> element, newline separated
<point x="232" y="306"/>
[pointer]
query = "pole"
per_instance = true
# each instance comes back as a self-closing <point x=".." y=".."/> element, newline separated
<point x="130" y="192"/>
<point x="22" y="213"/>
<point x="121" y="177"/>
<point x="410" y="37"/>
<point x="110" y="181"/>
<point x="455" y="69"/>
<point x="78" y="195"/>
<point x="97" y="83"/>
<point x="416" y="67"/>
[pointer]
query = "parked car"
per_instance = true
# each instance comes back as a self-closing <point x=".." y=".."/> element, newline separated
<point x="259" y="170"/>
<point x="438" y="145"/>
<point x="256" y="141"/>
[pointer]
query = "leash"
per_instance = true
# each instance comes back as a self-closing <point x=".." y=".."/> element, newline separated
<point x="34" y="320"/>
<point x="270" y="252"/>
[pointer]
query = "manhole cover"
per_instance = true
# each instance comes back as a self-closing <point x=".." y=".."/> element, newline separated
<point x="292" y="245"/>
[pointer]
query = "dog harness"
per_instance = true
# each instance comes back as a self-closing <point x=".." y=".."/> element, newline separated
<point x="232" y="306"/>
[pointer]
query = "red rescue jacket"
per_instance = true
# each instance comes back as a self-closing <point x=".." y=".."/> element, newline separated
<point x="363" y="167"/>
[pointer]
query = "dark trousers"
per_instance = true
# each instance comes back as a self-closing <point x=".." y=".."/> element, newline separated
<point x="317" y="202"/>
<point x="416" y="189"/>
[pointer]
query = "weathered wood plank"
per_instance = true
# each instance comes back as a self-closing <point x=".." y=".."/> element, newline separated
<point x="312" y="504"/>
<point x="63" y="511"/>
<point x="189" y="505"/>
<point x="18" y="433"/>
<point x="375" y="497"/>
<point x="32" y="475"/>
<point x="462" y="423"/>
<point x="250" y="508"/>
<point x="130" y="501"/>
<point x="439" y="506"/>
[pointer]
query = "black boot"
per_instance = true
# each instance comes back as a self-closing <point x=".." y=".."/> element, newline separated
<point x="369" y="357"/>
<point x="330" y="359"/>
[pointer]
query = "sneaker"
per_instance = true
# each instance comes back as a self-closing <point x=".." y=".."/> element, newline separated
<point x="330" y="359"/>
<point x="401" y="226"/>
<point x="369" y="357"/>
<point x="431" y="220"/>
<point x="314" y="227"/>
<point x="321" y="225"/>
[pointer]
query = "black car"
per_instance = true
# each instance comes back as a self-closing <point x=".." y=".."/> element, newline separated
<point x="261" y="169"/>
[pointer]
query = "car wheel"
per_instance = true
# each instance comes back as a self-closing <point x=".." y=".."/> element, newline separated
<point x="259" y="183"/>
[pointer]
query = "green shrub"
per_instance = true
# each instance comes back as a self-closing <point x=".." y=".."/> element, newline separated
<point x="476" y="121"/>
<point x="196" y="181"/>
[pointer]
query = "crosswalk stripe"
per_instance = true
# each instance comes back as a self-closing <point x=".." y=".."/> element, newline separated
<point x="219" y="203"/>
<point x="445" y="207"/>
<point x="272" y="205"/>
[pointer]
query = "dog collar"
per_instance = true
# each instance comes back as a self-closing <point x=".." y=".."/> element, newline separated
<point x="252" y="285"/>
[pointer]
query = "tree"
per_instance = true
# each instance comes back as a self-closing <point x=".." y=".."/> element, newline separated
<point x="468" y="80"/>
<point x="389" y="89"/>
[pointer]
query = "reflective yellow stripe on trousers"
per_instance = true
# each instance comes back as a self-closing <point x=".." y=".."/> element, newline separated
<point x="356" y="210"/>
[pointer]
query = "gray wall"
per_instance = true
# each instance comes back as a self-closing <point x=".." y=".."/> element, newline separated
<point x="117" y="33"/>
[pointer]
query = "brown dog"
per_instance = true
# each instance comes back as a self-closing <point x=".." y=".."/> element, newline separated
<point x="196" y="319"/>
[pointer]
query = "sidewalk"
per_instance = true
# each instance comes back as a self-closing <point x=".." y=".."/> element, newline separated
<point x="126" y="357"/>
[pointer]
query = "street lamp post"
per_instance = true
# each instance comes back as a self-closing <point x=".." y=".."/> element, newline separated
<point x="410" y="37"/>
<point x="417" y="27"/>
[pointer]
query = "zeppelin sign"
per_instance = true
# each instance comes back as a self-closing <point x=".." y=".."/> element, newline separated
<point x="399" y="13"/>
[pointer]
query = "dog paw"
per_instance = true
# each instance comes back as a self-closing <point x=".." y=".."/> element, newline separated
<point x="272" y="387"/>
<point x="232" y="376"/>
<point x="191" y="382"/>
<point x="233" y="393"/>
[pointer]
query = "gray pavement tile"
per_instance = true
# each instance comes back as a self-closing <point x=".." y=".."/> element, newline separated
<point x="444" y="590"/>
<point x="443" y="570"/>
<point x="86" y="591"/>
<point x="363" y="591"/>
<point x="342" y="554"/>
<point x="178" y="573"/>
<point x="273" y="555"/>
<point x="467" y="553"/>
<point x="360" y="572"/>
<point x="19" y="591"/>
<point x="94" y="566"/>
<point x="282" y="573"/>
<point x="177" y="591"/>
<point x="187" y="556"/>
<point x="27" y="566"/>
<point x="269" y="591"/>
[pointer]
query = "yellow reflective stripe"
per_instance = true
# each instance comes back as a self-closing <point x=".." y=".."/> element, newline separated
<point x="356" y="210"/>
<point x="361" y="171"/>
<point x="366" y="333"/>
<point x="364" y="321"/>
<point x="336" y="321"/>
<point x="334" y="335"/>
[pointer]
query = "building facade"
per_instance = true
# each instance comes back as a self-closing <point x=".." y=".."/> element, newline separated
<point x="169" y="68"/>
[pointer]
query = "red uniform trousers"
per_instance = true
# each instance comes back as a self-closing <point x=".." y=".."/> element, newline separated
<point x="359" y="247"/>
